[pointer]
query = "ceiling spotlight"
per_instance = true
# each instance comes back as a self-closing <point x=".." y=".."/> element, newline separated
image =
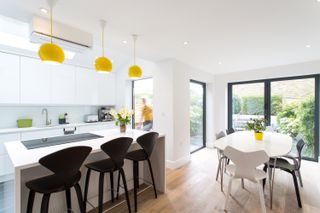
<point x="219" y="62"/>
<point x="124" y="42"/>
<point x="185" y="43"/>
<point x="43" y="10"/>
<point x="308" y="45"/>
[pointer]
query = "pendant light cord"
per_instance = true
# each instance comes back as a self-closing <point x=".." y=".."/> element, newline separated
<point x="51" y="24"/>
<point x="134" y="48"/>
<point x="103" y="41"/>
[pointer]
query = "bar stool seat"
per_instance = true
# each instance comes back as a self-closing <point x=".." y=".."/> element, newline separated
<point x="137" y="155"/>
<point x="52" y="183"/>
<point x="105" y="166"/>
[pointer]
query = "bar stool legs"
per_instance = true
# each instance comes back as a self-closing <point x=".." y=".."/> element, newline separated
<point x="154" y="185"/>
<point x="30" y="201"/>
<point x="45" y="203"/>
<point x="85" y="197"/>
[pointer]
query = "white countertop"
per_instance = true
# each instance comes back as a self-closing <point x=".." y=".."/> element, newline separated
<point x="22" y="158"/>
<point x="57" y="126"/>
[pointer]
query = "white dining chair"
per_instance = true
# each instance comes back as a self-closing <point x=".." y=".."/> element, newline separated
<point x="245" y="166"/>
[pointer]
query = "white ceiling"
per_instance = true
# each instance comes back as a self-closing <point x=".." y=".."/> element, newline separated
<point x="242" y="34"/>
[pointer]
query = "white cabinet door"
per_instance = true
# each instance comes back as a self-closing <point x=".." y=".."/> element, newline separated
<point x="63" y="84"/>
<point x="86" y="87"/>
<point x="35" y="81"/>
<point x="107" y="89"/>
<point x="9" y="79"/>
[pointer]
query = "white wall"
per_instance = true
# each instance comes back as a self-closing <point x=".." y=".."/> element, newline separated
<point x="171" y="103"/>
<point x="221" y="84"/>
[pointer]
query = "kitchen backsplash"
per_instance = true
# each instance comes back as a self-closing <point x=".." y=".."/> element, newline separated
<point x="10" y="114"/>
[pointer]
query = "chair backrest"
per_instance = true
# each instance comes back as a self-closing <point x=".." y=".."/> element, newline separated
<point x="246" y="162"/>
<point x="300" y="145"/>
<point x="230" y="131"/>
<point x="117" y="149"/>
<point x="148" y="141"/>
<point x="66" y="162"/>
<point x="220" y="135"/>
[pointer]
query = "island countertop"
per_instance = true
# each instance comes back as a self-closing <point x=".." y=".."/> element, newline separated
<point x="23" y="158"/>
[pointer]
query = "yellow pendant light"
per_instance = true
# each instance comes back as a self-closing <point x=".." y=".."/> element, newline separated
<point x="103" y="64"/>
<point x="49" y="52"/>
<point x="134" y="71"/>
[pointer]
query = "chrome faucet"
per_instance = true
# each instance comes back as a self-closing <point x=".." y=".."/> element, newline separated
<point x="48" y="122"/>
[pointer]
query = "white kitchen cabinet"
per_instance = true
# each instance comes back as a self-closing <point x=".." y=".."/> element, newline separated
<point x="63" y="84"/>
<point x="106" y="89"/>
<point x="86" y="87"/>
<point x="35" y="81"/>
<point x="9" y="79"/>
<point x="6" y="168"/>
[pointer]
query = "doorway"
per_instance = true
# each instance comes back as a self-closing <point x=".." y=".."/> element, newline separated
<point x="197" y="115"/>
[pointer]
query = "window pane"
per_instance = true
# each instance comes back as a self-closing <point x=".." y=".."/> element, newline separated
<point x="292" y="110"/>
<point x="247" y="102"/>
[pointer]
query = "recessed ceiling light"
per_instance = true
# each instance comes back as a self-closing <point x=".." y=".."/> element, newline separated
<point x="43" y="10"/>
<point x="219" y="62"/>
<point x="308" y="45"/>
<point x="185" y="43"/>
<point x="124" y="42"/>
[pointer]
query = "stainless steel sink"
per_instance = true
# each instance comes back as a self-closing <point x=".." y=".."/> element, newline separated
<point x="45" y="142"/>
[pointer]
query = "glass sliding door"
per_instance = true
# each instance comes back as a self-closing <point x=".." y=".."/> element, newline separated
<point x="293" y="110"/>
<point x="290" y="105"/>
<point x="247" y="102"/>
<point x="142" y="103"/>
<point x="197" y="115"/>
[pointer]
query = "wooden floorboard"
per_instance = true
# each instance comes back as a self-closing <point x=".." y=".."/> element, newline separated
<point x="193" y="189"/>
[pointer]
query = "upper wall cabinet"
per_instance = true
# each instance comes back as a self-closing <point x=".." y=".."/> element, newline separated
<point x="63" y="84"/>
<point x="35" y="81"/>
<point x="9" y="79"/>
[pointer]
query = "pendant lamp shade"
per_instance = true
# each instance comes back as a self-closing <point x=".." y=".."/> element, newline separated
<point x="134" y="71"/>
<point x="49" y="52"/>
<point x="103" y="64"/>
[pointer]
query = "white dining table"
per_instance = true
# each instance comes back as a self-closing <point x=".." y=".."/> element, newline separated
<point x="274" y="144"/>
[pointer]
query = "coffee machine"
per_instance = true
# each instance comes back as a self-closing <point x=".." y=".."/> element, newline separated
<point x="104" y="114"/>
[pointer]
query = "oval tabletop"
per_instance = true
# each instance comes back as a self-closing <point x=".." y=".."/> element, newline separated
<point x="274" y="144"/>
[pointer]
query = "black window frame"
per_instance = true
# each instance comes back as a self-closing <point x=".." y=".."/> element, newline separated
<point x="267" y="104"/>
<point x="204" y="107"/>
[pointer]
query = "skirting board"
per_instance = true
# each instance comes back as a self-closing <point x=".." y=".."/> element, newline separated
<point x="178" y="163"/>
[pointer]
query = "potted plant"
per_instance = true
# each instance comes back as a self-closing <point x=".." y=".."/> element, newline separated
<point x="122" y="118"/>
<point x="258" y="126"/>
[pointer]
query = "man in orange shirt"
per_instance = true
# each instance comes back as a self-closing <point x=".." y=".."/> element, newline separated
<point x="146" y="115"/>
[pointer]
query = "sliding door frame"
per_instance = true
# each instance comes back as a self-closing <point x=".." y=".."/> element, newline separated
<point x="267" y="104"/>
<point x="204" y="107"/>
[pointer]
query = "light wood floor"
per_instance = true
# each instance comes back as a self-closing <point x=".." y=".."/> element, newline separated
<point x="192" y="188"/>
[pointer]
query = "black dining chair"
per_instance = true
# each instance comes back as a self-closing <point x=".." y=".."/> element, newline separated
<point x="147" y="142"/>
<point x="65" y="165"/>
<point x="230" y="131"/>
<point x="284" y="165"/>
<point x="116" y="149"/>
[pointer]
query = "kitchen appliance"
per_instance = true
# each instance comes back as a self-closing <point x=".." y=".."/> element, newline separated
<point x="45" y="142"/>
<point x="104" y="114"/>
<point x="91" y="118"/>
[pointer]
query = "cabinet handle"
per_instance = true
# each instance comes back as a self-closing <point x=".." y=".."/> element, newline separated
<point x="69" y="132"/>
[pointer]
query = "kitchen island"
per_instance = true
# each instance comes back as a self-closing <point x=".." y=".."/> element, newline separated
<point x="26" y="167"/>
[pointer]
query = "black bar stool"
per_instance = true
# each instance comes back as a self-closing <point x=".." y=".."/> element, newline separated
<point x="147" y="142"/>
<point x="65" y="165"/>
<point x="116" y="149"/>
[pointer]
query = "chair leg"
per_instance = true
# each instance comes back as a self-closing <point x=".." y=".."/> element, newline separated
<point x="85" y="197"/>
<point x="101" y="182"/>
<point x="154" y="185"/>
<point x="262" y="202"/>
<point x="79" y="196"/>
<point x="118" y="186"/>
<point x="228" y="193"/>
<point x="45" y="203"/>
<point x="30" y="201"/>
<point x="135" y="185"/>
<point x="221" y="174"/>
<point x="68" y="199"/>
<point x="137" y="175"/>
<point x="219" y="169"/>
<point x="296" y="186"/>
<point x="112" y="186"/>
<point x="242" y="183"/>
<point x="125" y="188"/>
<point x="300" y="178"/>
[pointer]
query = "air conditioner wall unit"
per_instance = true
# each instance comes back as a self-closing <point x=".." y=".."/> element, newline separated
<point x="69" y="38"/>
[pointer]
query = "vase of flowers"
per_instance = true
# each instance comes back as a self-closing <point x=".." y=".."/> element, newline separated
<point x="258" y="126"/>
<point x="122" y="118"/>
